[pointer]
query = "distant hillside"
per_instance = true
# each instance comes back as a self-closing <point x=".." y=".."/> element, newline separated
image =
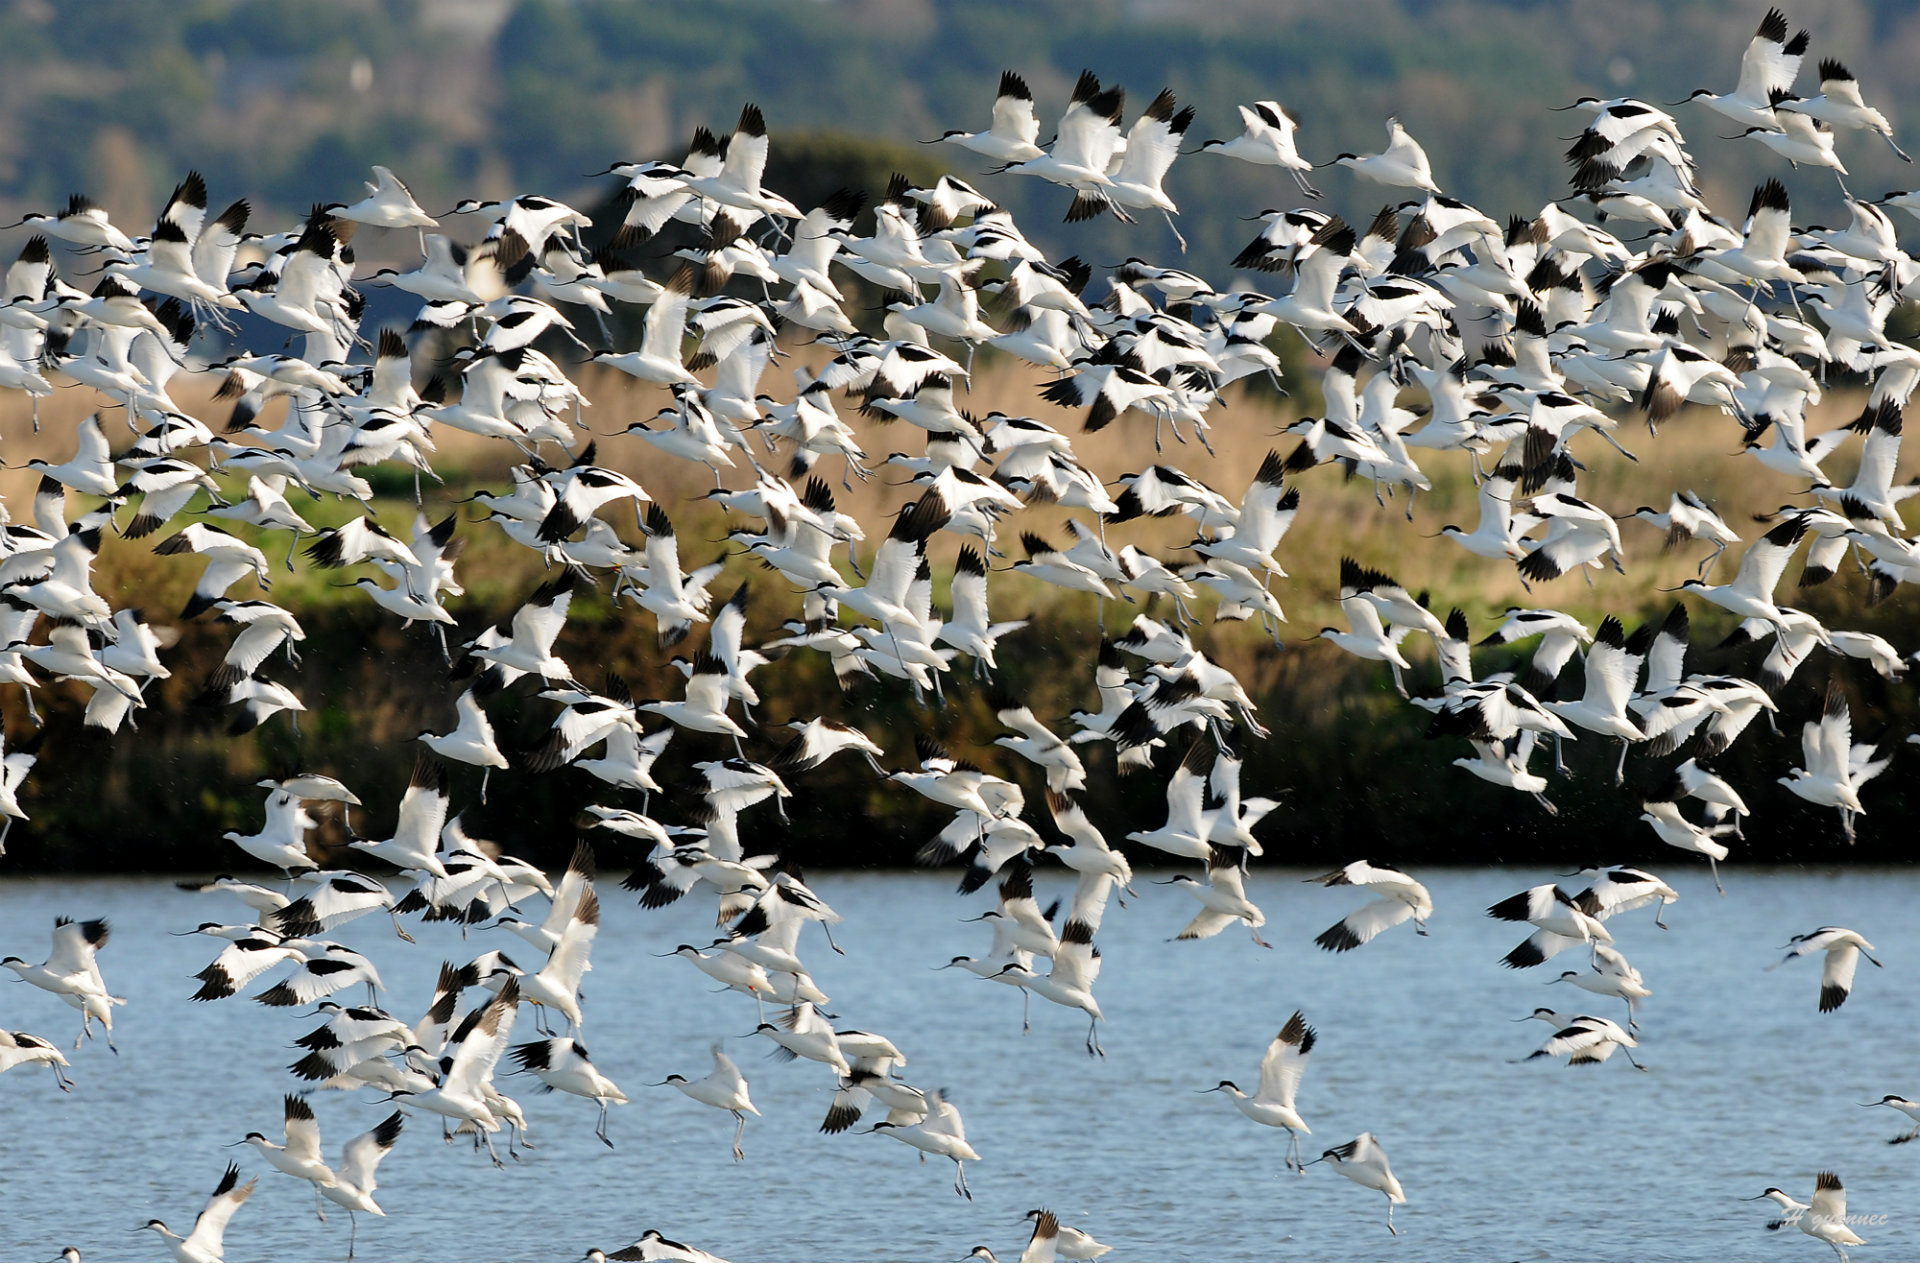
<point x="274" y="99"/>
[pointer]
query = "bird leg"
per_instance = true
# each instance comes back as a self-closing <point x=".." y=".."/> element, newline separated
<point x="485" y="772"/>
<point x="1620" y="769"/>
<point x="1176" y="231"/>
<point x="353" y="1232"/>
<point x="1390" y="1228"/>
<point x="960" y="1179"/>
<point x="739" y="1130"/>
<point x="319" y="1204"/>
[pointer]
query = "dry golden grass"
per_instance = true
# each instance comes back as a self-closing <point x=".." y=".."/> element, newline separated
<point x="372" y="686"/>
<point x="1696" y="451"/>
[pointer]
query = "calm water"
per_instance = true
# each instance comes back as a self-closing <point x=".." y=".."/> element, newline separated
<point x="1750" y="1086"/>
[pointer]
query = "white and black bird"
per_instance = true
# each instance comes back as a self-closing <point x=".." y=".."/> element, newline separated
<point x="723" y="1089"/>
<point x="1272" y="1104"/>
<point x="1363" y="1161"/>
<point x="1842" y="949"/>
<point x="206" y="1243"/>
<point x="1400" y="898"/>
<point x="1823" y="1219"/>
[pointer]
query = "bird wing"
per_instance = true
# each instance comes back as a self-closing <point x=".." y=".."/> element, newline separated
<point x="723" y="636"/>
<point x="483" y="1041"/>
<point x="1013" y="115"/>
<point x="1611" y="675"/>
<point x="302" y="276"/>
<point x="537" y="624"/>
<point x="1286" y="1061"/>
<point x="1584" y="1036"/>
<point x="1071" y="819"/>
<point x="1765" y="65"/>
<point x="1205" y="924"/>
<point x="240" y="963"/>
<point x="1880" y="453"/>
<point x="1090" y="896"/>
<point x="707" y="691"/>
<point x="569" y="960"/>
<point x="423" y="810"/>
<point x="665" y="325"/>
<point x="1766" y="558"/>
<point x="1363" y="924"/>
<point x="726" y="1071"/>
<point x="746" y="159"/>
<point x="574" y="884"/>
<point x="217" y="243"/>
<point x="210" y="1228"/>
<point x="1828" y="745"/>
<point x="944" y="1120"/>
<point x="1085" y="138"/>
<point x="895" y="562"/>
<point x="1153" y="144"/>
<point x="1829" y="1200"/>
<point x="303" y="1132"/>
<point x="1186" y="801"/>
<point x="221" y="573"/>
<point x="1227" y="876"/>
<point x="71" y="954"/>
<point x="363" y="1153"/>
<point x="1022" y="720"/>
<point x="1363" y="616"/>
<point x="1836" y="978"/>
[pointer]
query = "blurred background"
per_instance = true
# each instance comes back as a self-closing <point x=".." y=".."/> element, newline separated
<point x="292" y="100"/>
<point x="289" y="103"/>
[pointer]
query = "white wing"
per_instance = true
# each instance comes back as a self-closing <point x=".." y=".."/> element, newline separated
<point x="1286" y="1061"/>
<point x="210" y="1229"/>
<point x="363" y="1153"/>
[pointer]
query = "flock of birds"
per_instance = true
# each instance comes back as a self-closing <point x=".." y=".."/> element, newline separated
<point x="1518" y="341"/>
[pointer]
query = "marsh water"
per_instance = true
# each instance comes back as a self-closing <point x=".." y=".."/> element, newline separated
<point x="1748" y="1086"/>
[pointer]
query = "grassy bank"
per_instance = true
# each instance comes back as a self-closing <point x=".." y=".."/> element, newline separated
<point x="1349" y="758"/>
